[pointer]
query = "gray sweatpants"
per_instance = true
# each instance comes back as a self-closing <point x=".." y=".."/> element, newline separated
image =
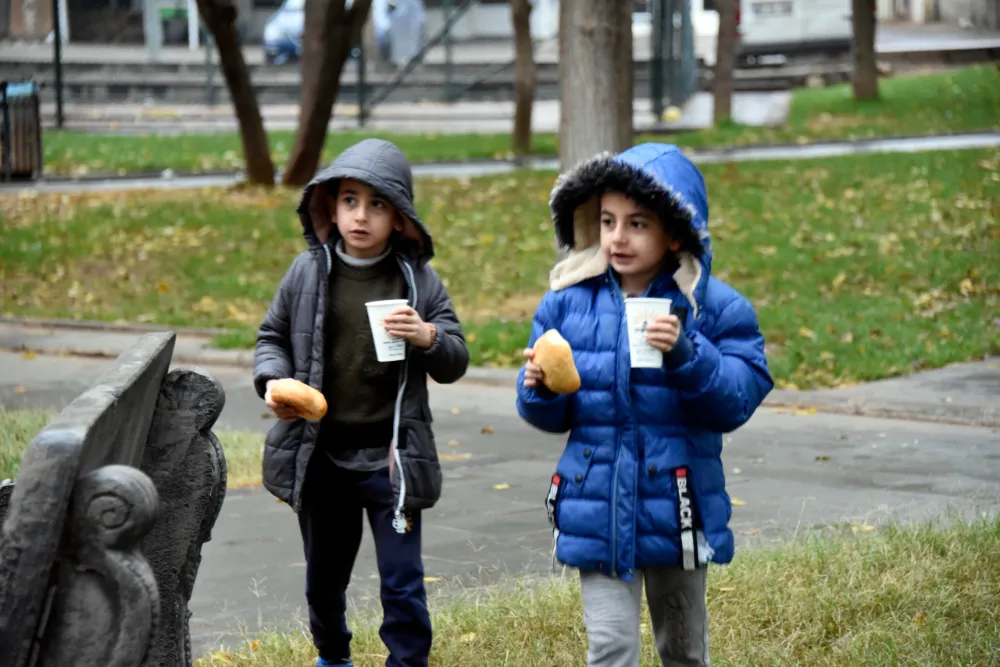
<point x="676" y="601"/>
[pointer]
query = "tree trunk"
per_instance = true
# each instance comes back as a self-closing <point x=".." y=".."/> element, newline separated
<point x="725" y="62"/>
<point x="865" y="75"/>
<point x="595" y="78"/>
<point x="220" y="17"/>
<point x="524" y="76"/>
<point x="331" y="31"/>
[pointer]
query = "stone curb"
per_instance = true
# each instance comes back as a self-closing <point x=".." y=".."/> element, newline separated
<point x="97" y="325"/>
<point x="507" y="378"/>
<point x="711" y="153"/>
<point x="192" y="349"/>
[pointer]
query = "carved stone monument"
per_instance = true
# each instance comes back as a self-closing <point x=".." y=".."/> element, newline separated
<point x="102" y="530"/>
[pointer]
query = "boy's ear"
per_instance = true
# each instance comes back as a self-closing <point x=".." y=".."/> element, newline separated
<point x="397" y="223"/>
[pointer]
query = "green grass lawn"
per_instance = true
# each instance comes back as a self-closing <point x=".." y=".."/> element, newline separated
<point x="17" y="427"/>
<point x="860" y="268"/>
<point x="920" y="595"/>
<point x="960" y="101"/>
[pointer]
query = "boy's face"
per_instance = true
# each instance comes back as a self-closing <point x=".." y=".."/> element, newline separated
<point x="365" y="220"/>
<point x="632" y="238"/>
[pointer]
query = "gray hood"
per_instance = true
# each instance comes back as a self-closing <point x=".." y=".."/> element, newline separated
<point x="381" y="165"/>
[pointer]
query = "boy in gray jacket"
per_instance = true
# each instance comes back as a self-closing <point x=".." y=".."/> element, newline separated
<point x="374" y="450"/>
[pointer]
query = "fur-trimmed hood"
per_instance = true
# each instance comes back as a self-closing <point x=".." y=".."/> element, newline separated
<point x="658" y="176"/>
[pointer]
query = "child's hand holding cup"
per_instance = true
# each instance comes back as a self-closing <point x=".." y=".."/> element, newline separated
<point x="387" y="346"/>
<point x="663" y="331"/>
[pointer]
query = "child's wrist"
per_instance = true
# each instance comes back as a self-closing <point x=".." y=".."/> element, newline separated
<point x="430" y="333"/>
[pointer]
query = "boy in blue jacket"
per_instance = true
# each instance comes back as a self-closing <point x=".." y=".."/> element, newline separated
<point x="639" y="493"/>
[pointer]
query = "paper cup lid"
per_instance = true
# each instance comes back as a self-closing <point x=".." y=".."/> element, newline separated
<point x="386" y="302"/>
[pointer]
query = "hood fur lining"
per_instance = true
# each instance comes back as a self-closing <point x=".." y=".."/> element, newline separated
<point x="590" y="262"/>
<point x="575" y="204"/>
<point x="576" y="198"/>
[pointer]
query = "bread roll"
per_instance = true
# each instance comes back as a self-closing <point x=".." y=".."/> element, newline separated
<point x="555" y="357"/>
<point x="307" y="402"/>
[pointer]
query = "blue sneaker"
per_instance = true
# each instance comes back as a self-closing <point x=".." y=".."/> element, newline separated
<point x="322" y="662"/>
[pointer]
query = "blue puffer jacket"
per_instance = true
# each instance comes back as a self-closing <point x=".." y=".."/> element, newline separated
<point x="630" y="429"/>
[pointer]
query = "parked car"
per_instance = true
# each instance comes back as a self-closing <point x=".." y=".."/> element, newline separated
<point x="283" y="33"/>
<point x="772" y="30"/>
<point x="788" y="27"/>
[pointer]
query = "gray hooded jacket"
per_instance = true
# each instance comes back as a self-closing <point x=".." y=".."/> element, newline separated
<point x="291" y="339"/>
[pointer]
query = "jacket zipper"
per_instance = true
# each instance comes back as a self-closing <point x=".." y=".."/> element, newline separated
<point x="324" y="291"/>
<point x="618" y="447"/>
<point x="397" y="411"/>
<point x="628" y="392"/>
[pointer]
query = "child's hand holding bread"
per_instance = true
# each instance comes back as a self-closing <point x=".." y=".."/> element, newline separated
<point x="550" y="363"/>
<point x="290" y="399"/>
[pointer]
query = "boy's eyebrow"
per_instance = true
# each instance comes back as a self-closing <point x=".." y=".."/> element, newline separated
<point x="356" y="191"/>
<point x="633" y="214"/>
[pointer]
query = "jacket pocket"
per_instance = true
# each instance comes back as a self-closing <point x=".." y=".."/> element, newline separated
<point x="418" y="463"/>
<point x="575" y="463"/>
<point x="281" y="449"/>
<point x="577" y="481"/>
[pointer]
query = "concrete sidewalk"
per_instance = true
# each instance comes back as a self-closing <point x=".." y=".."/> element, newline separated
<point x="170" y="181"/>
<point x="959" y="394"/>
<point x="754" y="109"/>
<point x="891" y="37"/>
<point x="788" y="473"/>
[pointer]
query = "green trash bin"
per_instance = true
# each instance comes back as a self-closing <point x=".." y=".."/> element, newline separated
<point x="174" y="22"/>
<point x="20" y="131"/>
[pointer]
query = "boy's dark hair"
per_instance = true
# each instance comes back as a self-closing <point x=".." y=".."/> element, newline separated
<point x="609" y="175"/>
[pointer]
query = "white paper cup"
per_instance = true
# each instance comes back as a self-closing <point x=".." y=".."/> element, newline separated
<point x="387" y="348"/>
<point x="639" y="312"/>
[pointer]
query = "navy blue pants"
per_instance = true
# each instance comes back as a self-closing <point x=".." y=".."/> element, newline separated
<point x="333" y="503"/>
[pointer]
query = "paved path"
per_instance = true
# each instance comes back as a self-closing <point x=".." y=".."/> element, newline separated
<point x="169" y="181"/>
<point x="890" y="38"/>
<point x="792" y="473"/>
<point x="755" y="109"/>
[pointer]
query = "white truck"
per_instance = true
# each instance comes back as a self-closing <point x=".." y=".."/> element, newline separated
<point x="772" y="30"/>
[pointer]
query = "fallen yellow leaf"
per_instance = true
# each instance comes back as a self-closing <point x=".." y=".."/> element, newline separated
<point x="727" y="589"/>
<point x="459" y="456"/>
<point x="455" y="411"/>
<point x="802" y="412"/>
<point x="488" y="429"/>
<point x="453" y="443"/>
<point x="501" y="487"/>
<point x="431" y="580"/>
<point x="28" y="354"/>
<point x="468" y="636"/>
<point x="736" y="502"/>
<point x="822" y="457"/>
<point x="20" y="390"/>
